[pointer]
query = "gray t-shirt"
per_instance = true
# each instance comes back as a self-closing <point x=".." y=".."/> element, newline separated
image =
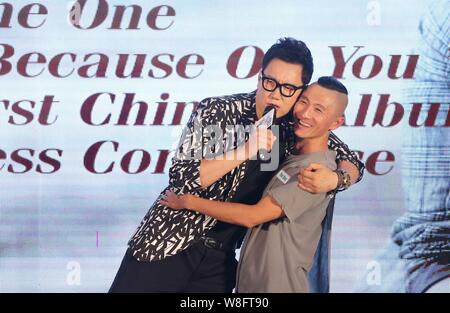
<point x="276" y="256"/>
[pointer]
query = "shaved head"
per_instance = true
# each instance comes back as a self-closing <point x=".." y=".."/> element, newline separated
<point x="320" y="108"/>
<point x="340" y="92"/>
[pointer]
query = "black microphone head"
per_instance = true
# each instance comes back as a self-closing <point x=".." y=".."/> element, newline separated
<point x="268" y="108"/>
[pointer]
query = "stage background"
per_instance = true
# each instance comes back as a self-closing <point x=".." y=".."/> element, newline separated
<point x="67" y="231"/>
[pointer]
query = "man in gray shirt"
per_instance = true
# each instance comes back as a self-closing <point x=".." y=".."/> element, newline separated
<point x="277" y="255"/>
<point x="285" y="225"/>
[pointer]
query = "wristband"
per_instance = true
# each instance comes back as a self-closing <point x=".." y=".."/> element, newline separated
<point x="344" y="180"/>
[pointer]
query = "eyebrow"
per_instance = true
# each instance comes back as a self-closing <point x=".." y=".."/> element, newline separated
<point x="271" y="77"/>
<point x="321" y="106"/>
<point x="304" y="97"/>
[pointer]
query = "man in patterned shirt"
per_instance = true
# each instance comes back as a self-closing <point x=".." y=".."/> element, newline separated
<point x="185" y="251"/>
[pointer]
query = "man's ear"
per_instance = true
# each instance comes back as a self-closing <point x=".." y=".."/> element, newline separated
<point x="337" y="123"/>
<point x="259" y="82"/>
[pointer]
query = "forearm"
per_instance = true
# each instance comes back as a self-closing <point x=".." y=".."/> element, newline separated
<point x="234" y="213"/>
<point x="347" y="159"/>
<point x="212" y="170"/>
<point x="351" y="169"/>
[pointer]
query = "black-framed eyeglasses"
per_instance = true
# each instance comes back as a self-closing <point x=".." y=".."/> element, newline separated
<point x="287" y="90"/>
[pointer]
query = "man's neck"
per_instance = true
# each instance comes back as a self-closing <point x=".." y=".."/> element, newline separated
<point x="311" y="145"/>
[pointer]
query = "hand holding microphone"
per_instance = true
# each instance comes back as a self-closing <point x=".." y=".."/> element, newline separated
<point x="262" y="140"/>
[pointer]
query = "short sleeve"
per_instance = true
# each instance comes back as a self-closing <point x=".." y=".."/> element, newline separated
<point x="293" y="200"/>
<point x="345" y="154"/>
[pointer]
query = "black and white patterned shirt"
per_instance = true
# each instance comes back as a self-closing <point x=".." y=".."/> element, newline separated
<point x="165" y="232"/>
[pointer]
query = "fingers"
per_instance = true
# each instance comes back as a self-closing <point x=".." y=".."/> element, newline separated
<point x="266" y="138"/>
<point x="308" y="168"/>
<point x="307" y="183"/>
<point x="172" y="200"/>
<point x="307" y="175"/>
<point x="164" y="198"/>
<point x="260" y="138"/>
<point x="170" y="203"/>
<point x="164" y="202"/>
<point x="306" y="179"/>
<point x="170" y="193"/>
<point x="168" y="198"/>
<point x="312" y="167"/>
<point x="306" y="188"/>
<point x="300" y="172"/>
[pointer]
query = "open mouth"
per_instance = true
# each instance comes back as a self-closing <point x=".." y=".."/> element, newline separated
<point x="277" y="107"/>
<point x="303" y="124"/>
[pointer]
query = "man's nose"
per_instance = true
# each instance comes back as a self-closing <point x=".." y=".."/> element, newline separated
<point x="304" y="112"/>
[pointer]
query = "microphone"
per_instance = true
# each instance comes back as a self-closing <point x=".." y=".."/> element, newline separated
<point x="268" y="119"/>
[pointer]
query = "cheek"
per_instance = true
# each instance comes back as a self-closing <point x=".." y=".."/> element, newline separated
<point x="319" y="120"/>
<point x="260" y="95"/>
<point x="326" y="123"/>
<point x="297" y="108"/>
<point x="261" y="92"/>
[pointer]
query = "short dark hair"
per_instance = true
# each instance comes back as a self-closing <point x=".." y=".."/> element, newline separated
<point x="292" y="51"/>
<point x="332" y="83"/>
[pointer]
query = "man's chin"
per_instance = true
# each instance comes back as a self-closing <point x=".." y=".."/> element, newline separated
<point x="301" y="134"/>
<point x="280" y="114"/>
